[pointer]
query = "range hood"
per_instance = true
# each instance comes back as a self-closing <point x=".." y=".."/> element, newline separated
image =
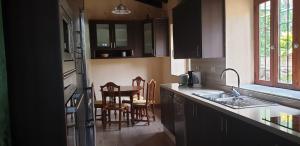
<point x="155" y="3"/>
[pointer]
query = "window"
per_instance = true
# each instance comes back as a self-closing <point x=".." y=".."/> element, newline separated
<point x="276" y="61"/>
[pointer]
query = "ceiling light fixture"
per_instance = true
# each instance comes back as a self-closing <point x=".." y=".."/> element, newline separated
<point x="121" y="9"/>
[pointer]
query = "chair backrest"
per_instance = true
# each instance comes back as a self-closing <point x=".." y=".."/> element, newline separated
<point x="150" y="98"/>
<point x="110" y="92"/>
<point x="139" y="81"/>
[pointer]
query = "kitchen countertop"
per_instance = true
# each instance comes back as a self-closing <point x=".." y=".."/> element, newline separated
<point x="252" y="116"/>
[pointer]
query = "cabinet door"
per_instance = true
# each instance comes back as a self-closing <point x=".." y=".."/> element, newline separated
<point x="161" y="37"/>
<point x="213" y="35"/>
<point x="187" y="29"/>
<point x="211" y="126"/>
<point x="148" y="39"/>
<point x="167" y="110"/>
<point x="120" y="36"/>
<point x="163" y="103"/>
<point x="239" y="133"/>
<point x="103" y="36"/>
<point x="191" y="124"/>
<point x="170" y="113"/>
<point x="135" y="38"/>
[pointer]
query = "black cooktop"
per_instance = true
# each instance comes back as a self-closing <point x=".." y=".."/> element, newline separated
<point x="285" y="120"/>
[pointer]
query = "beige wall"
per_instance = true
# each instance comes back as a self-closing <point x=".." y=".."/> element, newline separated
<point x="239" y="40"/>
<point x="122" y="71"/>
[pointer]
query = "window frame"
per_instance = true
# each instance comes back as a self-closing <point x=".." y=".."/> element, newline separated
<point x="274" y="64"/>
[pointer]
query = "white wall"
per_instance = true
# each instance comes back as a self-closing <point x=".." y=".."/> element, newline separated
<point x="239" y="40"/>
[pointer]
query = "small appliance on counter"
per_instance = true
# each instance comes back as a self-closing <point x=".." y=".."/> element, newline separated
<point x="183" y="80"/>
<point x="197" y="79"/>
<point x="194" y="79"/>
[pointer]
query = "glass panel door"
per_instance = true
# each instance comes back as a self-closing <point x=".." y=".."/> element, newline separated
<point x="120" y="35"/>
<point x="103" y="36"/>
<point x="285" y="38"/>
<point x="148" y="39"/>
<point x="265" y="41"/>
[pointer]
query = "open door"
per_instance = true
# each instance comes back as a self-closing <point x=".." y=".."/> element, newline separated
<point x="4" y="113"/>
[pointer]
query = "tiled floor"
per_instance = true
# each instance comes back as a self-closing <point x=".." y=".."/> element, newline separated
<point x="138" y="135"/>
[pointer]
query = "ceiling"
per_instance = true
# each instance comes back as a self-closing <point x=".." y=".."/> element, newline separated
<point x="101" y="9"/>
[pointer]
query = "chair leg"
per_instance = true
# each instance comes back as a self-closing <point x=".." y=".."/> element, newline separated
<point x="152" y="107"/>
<point x="147" y="116"/>
<point x="120" y="119"/>
<point x="127" y="117"/>
<point x="109" y="118"/>
<point x="104" y="118"/>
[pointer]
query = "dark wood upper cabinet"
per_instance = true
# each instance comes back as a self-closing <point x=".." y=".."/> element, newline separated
<point x="105" y="35"/>
<point x="110" y="37"/>
<point x="199" y="29"/>
<point x="149" y="38"/>
<point x="156" y="37"/>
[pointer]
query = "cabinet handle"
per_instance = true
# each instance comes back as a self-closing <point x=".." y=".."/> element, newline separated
<point x="226" y="127"/>
<point x="197" y="50"/>
<point x="196" y="111"/>
<point x="193" y="110"/>
<point x="222" y="124"/>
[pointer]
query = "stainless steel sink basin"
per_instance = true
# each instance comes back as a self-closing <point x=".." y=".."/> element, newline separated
<point x="237" y="102"/>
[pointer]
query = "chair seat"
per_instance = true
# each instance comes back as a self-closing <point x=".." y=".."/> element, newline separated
<point x="127" y="100"/>
<point x="142" y="102"/>
<point x="98" y="104"/>
<point x="136" y="97"/>
<point x="124" y="106"/>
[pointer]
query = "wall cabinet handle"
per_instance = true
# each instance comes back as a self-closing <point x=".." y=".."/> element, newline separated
<point x="197" y="47"/>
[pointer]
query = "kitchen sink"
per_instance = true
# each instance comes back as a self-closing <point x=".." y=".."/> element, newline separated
<point x="236" y="102"/>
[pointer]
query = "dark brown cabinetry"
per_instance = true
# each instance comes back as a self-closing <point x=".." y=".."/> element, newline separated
<point x="156" y="35"/>
<point x="167" y="110"/>
<point x="118" y="39"/>
<point x="198" y="27"/>
<point x="208" y="127"/>
<point x="110" y="37"/>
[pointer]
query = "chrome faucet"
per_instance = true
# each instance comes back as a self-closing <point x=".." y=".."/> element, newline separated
<point x="234" y="92"/>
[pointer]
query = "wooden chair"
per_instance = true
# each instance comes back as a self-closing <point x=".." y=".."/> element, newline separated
<point x="111" y="100"/>
<point x="138" y="81"/>
<point x="97" y="103"/>
<point x="142" y="106"/>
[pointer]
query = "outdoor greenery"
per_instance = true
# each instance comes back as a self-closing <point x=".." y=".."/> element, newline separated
<point x="285" y="39"/>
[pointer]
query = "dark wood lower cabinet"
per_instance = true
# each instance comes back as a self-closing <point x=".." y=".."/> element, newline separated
<point x="167" y="110"/>
<point x="208" y="127"/>
<point x="205" y="126"/>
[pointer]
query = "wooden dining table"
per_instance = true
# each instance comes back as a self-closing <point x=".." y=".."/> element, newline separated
<point x="129" y="91"/>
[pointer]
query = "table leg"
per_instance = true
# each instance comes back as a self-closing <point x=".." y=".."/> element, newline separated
<point x="131" y="110"/>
